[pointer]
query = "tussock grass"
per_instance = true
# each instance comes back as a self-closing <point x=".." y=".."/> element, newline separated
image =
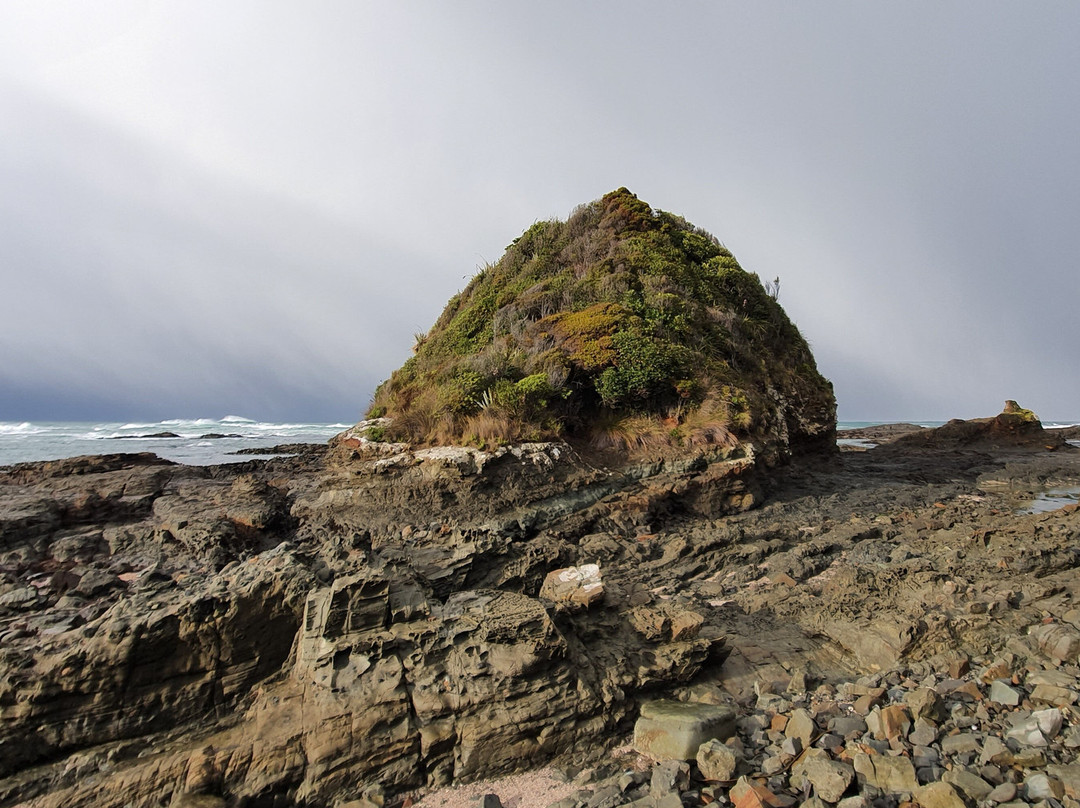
<point x="623" y="327"/>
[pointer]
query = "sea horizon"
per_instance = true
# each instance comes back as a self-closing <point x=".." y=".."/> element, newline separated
<point x="229" y="439"/>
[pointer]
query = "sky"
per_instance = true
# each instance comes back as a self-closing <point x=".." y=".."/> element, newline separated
<point x="250" y="208"/>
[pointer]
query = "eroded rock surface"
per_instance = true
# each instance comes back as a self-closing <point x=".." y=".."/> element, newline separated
<point x="303" y="631"/>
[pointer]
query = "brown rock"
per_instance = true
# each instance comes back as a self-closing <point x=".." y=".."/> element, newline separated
<point x="938" y="795"/>
<point x="574" y="585"/>
<point x="895" y="774"/>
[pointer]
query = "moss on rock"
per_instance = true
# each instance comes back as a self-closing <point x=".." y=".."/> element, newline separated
<point x="622" y="325"/>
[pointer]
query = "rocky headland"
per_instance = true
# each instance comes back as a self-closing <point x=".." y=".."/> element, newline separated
<point x="598" y="521"/>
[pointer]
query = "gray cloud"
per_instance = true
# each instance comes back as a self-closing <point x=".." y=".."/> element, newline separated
<point x="252" y="208"/>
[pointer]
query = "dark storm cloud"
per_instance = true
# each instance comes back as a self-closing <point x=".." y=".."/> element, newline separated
<point x="251" y="208"/>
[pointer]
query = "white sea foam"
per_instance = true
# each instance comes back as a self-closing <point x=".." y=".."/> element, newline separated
<point x="29" y="441"/>
<point x="25" y="428"/>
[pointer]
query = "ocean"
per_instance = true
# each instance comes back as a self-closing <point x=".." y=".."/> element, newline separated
<point x="196" y="442"/>
<point x="204" y="441"/>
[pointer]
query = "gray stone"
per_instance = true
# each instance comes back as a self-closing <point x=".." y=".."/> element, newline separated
<point x="996" y="752"/>
<point x="959" y="744"/>
<point x="1041" y="786"/>
<point x="848" y="726"/>
<point x="924" y="733"/>
<point x="1002" y="693"/>
<point x="1048" y="721"/>
<point x="1006" y="792"/>
<point x="771" y="766"/>
<point x="669" y="776"/>
<point x="929" y="774"/>
<point x="923" y="756"/>
<point x="970" y="784"/>
<point x="791" y="746"/>
<point x="605" y="797"/>
<point x="673" y="729"/>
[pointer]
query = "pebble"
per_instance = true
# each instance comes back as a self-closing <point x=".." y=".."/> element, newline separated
<point x="1005" y="792"/>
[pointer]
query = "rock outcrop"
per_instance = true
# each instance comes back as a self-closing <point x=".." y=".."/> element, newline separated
<point x="1014" y="427"/>
<point x="308" y="630"/>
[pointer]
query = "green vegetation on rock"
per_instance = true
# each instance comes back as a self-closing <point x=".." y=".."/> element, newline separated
<point x="623" y="326"/>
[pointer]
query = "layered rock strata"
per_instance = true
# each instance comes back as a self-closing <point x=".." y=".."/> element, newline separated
<point x="301" y="632"/>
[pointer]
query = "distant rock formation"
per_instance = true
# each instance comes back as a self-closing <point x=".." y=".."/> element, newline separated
<point x="1013" y="427"/>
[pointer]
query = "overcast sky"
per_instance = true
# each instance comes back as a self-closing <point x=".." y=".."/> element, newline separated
<point x="212" y="208"/>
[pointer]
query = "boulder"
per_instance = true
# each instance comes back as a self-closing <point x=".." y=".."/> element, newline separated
<point x="676" y="730"/>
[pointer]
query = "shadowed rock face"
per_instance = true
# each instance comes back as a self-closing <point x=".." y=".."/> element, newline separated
<point x="293" y="631"/>
<point x="314" y="627"/>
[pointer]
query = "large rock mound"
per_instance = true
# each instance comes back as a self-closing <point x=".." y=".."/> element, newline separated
<point x="623" y="327"/>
